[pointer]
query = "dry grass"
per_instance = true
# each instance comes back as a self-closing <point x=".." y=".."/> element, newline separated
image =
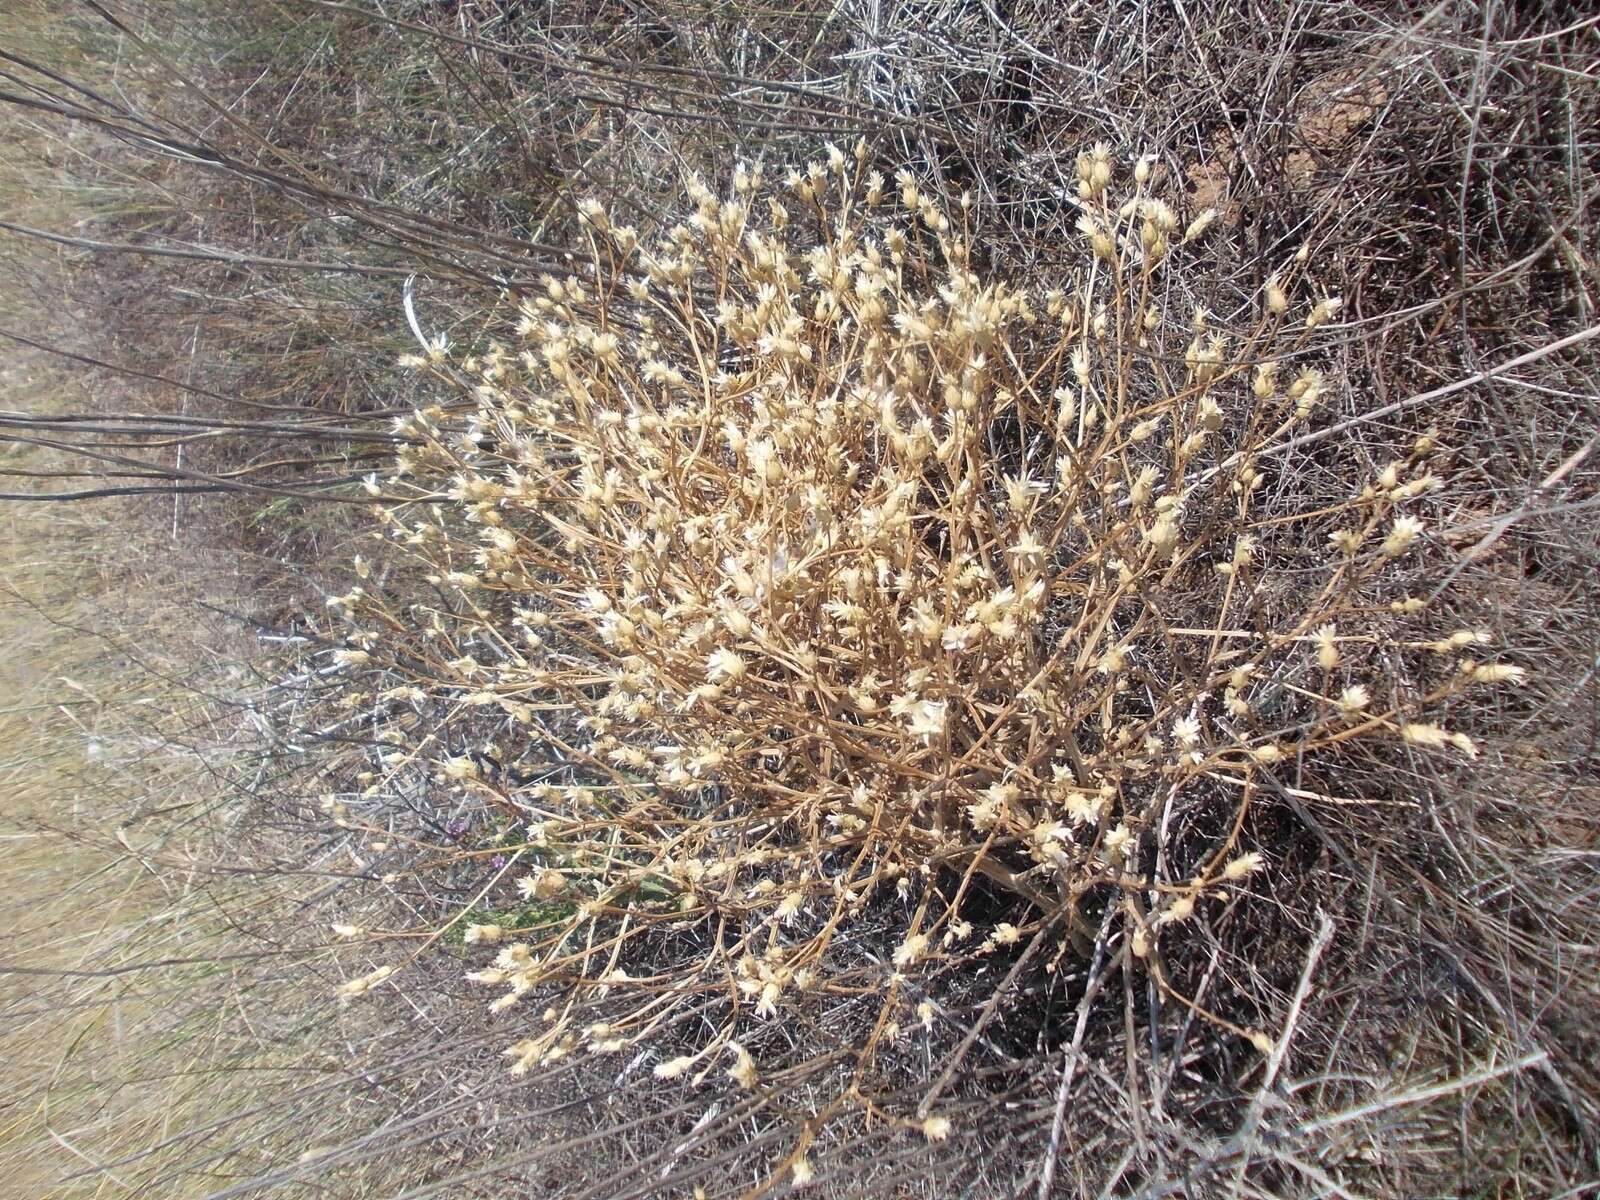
<point x="117" y="753"/>
<point x="95" y="741"/>
<point x="1418" y="959"/>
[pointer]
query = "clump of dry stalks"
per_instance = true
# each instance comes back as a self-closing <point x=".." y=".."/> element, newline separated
<point x="829" y="574"/>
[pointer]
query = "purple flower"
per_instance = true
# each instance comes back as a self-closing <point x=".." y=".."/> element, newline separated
<point x="498" y="861"/>
<point x="456" y="828"/>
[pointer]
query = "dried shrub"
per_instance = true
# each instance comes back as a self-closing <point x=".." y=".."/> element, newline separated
<point x="820" y="575"/>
